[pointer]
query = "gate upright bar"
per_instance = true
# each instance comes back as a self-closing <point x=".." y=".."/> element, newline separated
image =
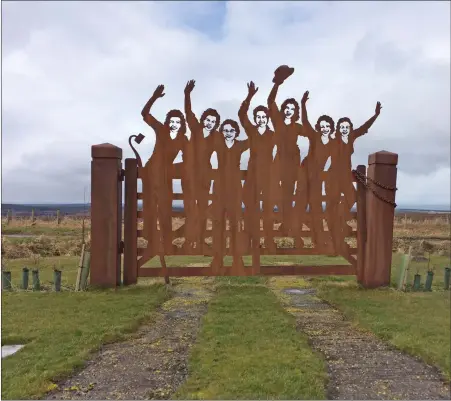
<point x="130" y="223"/>
<point x="361" y="224"/>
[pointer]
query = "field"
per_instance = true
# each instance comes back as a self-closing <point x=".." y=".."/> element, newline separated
<point x="245" y="322"/>
<point x="22" y="239"/>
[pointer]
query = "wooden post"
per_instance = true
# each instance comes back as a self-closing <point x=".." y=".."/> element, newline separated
<point x="85" y="271"/>
<point x="405" y="270"/>
<point x="379" y="219"/>
<point x="361" y="224"/>
<point x="80" y="268"/>
<point x="106" y="209"/>
<point x="9" y="217"/>
<point x="131" y="222"/>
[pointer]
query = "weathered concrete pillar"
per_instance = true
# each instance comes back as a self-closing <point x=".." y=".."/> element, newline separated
<point x="106" y="215"/>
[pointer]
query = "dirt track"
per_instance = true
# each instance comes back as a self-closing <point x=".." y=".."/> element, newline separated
<point x="151" y="365"/>
<point x="360" y="366"/>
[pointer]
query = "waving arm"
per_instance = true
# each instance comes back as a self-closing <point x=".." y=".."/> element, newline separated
<point x="365" y="127"/>
<point x="305" y="121"/>
<point x="147" y="116"/>
<point x="274" y="112"/>
<point x="244" y="109"/>
<point x="191" y="118"/>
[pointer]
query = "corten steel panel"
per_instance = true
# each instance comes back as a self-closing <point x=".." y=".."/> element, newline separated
<point x="214" y="222"/>
<point x="105" y="218"/>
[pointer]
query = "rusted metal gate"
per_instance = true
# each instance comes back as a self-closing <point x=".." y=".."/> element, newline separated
<point x="299" y="244"/>
<point x="286" y="192"/>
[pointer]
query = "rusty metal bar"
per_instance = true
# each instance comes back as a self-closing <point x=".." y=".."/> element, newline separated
<point x="190" y="271"/>
<point x="361" y="224"/>
<point x="130" y="223"/>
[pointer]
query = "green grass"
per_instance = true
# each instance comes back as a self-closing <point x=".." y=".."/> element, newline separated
<point x="172" y="261"/>
<point x="439" y="263"/>
<point x="60" y="331"/>
<point x="248" y="348"/>
<point x="67" y="264"/>
<point x="415" y="322"/>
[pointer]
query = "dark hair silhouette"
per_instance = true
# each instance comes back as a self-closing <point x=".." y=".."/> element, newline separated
<point x="211" y="112"/>
<point x="345" y="120"/>
<point x="296" y="108"/>
<point x="233" y="123"/>
<point x="179" y="114"/>
<point x="261" y="108"/>
<point x="327" y="119"/>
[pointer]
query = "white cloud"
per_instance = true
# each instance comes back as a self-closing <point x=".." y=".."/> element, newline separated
<point x="81" y="72"/>
<point x="426" y="188"/>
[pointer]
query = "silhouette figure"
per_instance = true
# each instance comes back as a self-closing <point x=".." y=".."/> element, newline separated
<point x="227" y="193"/>
<point x="198" y="153"/>
<point x="309" y="188"/>
<point x="157" y="176"/>
<point x="341" y="164"/>
<point x="340" y="177"/>
<point x="288" y="155"/>
<point x="260" y="169"/>
<point x="271" y="180"/>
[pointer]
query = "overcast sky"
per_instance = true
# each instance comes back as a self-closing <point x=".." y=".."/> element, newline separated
<point x="78" y="73"/>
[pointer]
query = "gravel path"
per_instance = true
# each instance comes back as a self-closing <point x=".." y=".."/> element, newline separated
<point x="152" y="364"/>
<point x="360" y="366"/>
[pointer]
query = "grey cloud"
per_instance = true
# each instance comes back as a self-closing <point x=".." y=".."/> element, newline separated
<point x="86" y="69"/>
<point x="386" y="57"/>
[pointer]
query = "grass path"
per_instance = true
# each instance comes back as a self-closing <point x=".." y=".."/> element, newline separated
<point x="249" y="348"/>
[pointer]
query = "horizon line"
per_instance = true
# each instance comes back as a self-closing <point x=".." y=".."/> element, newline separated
<point x="426" y="207"/>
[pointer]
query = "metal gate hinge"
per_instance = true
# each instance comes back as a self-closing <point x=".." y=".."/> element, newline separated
<point x="122" y="175"/>
<point x="121" y="247"/>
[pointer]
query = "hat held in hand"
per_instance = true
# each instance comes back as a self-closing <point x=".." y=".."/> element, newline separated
<point x="282" y="73"/>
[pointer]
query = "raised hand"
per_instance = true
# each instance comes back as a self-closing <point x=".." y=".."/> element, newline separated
<point x="305" y="97"/>
<point x="190" y="86"/>
<point x="159" y="92"/>
<point x="251" y="88"/>
<point x="378" y="108"/>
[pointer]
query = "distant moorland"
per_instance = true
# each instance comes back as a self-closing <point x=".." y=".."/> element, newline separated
<point x="80" y="208"/>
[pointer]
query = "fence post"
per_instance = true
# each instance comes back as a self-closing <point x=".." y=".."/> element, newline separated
<point x="131" y="222"/>
<point x="379" y="219"/>
<point x="361" y="223"/>
<point x="106" y="211"/>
